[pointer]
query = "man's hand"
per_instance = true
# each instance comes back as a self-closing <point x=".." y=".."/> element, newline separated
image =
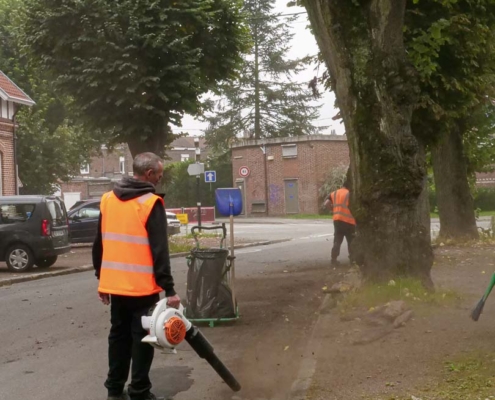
<point x="104" y="298"/>
<point x="173" y="301"/>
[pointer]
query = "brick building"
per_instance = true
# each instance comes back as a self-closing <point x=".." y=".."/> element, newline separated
<point x="102" y="171"/>
<point x="285" y="174"/>
<point x="486" y="179"/>
<point x="11" y="98"/>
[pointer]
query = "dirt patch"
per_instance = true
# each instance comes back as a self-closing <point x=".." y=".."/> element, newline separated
<point x="410" y="362"/>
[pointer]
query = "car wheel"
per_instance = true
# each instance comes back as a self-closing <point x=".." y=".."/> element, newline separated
<point x="19" y="258"/>
<point x="46" y="262"/>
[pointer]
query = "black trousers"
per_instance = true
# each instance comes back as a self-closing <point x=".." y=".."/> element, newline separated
<point x="124" y="345"/>
<point x="342" y="229"/>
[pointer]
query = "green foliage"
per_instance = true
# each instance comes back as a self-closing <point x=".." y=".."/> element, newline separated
<point x="484" y="200"/>
<point x="451" y="44"/>
<point x="334" y="180"/>
<point x="180" y="188"/>
<point x="133" y="66"/>
<point x="51" y="145"/>
<point x="265" y="100"/>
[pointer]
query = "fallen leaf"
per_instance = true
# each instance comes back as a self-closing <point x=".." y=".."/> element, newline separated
<point x="286" y="348"/>
<point x="324" y="288"/>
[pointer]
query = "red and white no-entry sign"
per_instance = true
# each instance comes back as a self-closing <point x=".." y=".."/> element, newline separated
<point x="244" y="172"/>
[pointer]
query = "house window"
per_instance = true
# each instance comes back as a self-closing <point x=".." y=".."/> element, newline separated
<point x="85" y="169"/>
<point x="289" y="151"/>
<point x="122" y="165"/>
<point x="184" y="157"/>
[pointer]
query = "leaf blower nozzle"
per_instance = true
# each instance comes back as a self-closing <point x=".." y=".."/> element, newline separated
<point x="204" y="349"/>
<point x="168" y="327"/>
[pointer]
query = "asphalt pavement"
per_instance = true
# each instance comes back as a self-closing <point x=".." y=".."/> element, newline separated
<point x="54" y="331"/>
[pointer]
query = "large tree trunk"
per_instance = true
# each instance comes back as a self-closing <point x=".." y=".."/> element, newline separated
<point x="455" y="202"/>
<point x="154" y="143"/>
<point x="376" y="90"/>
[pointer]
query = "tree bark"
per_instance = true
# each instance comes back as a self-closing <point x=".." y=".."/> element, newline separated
<point x="376" y="90"/>
<point x="455" y="202"/>
<point x="154" y="143"/>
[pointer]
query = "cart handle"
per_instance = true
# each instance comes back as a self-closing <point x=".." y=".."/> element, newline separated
<point x="211" y="228"/>
<point x="222" y="227"/>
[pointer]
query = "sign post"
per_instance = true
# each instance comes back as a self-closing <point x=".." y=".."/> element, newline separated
<point x="196" y="170"/>
<point x="229" y="203"/>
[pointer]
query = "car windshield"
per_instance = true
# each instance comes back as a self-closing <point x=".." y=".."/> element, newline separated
<point x="57" y="212"/>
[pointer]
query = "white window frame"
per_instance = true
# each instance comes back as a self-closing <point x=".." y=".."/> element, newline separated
<point x="84" y="169"/>
<point x="289" y="151"/>
<point x="184" y="157"/>
<point x="122" y="164"/>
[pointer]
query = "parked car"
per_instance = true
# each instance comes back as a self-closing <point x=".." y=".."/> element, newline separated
<point x="83" y="221"/>
<point x="33" y="231"/>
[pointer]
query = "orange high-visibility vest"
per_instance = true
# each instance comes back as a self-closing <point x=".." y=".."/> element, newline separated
<point x="340" y="205"/>
<point x="127" y="264"/>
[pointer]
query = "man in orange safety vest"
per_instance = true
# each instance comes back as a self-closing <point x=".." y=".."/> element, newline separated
<point x="132" y="262"/>
<point x="343" y="221"/>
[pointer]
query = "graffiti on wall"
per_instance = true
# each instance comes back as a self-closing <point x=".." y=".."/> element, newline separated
<point x="276" y="194"/>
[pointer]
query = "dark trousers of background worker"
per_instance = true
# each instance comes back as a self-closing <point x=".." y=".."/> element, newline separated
<point x="342" y="229"/>
<point x="124" y="345"/>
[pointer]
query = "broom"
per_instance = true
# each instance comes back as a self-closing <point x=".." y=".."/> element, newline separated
<point x="475" y="314"/>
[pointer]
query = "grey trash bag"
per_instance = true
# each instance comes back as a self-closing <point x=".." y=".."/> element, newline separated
<point x="208" y="295"/>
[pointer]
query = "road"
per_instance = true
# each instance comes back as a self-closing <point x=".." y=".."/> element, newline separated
<point x="54" y="331"/>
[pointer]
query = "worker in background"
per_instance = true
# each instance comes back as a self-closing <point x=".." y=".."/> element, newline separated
<point x="343" y="221"/>
<point x="132" y="263"/>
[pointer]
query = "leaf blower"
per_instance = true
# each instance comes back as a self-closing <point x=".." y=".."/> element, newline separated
<point x="167" y="328"/>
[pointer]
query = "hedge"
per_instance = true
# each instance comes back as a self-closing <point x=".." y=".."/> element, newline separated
<point x="484" y="199"/>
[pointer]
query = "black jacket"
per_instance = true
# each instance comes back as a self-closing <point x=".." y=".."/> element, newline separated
<point x="156" y="226"/>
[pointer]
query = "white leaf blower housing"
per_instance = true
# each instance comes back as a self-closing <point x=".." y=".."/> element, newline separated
<point x="167" y="326"/>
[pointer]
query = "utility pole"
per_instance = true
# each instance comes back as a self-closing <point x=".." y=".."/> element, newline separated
<point x="198" y="178"/>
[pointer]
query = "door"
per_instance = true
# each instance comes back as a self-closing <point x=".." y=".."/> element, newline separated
<point x="84" y="223"/>
<point x="240" y="185"/>
<point x="291" y="196"/>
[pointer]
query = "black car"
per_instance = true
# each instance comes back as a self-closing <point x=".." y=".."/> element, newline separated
<point x="33" y="231"/>
<point x="83" y="221"/>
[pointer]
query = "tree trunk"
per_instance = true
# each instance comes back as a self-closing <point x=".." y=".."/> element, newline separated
<point x="455" y="202"/>
<point x="376" y="90"/>
<point x="153" y="143"/>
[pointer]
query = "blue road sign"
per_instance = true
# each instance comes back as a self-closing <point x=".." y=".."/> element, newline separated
<point x="210" y="176"/>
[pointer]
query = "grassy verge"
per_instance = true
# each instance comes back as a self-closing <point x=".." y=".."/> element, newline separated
<point x="410" y="290"/>
<point x="464" y="378"/>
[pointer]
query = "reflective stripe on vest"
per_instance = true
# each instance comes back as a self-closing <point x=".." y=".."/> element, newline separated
<point x="340" y="205"/>
<point x="127" y="265"/>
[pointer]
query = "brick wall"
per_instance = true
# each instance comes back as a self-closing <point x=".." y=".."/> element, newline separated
<point x="7" y="160"/>
<point x="315" y="158"/>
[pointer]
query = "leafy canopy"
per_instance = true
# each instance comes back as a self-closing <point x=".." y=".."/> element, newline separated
<point x="133" y="66"/>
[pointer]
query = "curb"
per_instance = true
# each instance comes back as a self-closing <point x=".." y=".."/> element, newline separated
<point x="35" y="277"/>
<point x="85" y="268"/>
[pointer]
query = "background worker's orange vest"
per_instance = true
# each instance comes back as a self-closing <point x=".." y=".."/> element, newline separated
<point x="340" y="206"/>
<point x="127" y="264"/>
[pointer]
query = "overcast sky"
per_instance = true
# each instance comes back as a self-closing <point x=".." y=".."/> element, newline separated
<point x="303" y="44"/>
